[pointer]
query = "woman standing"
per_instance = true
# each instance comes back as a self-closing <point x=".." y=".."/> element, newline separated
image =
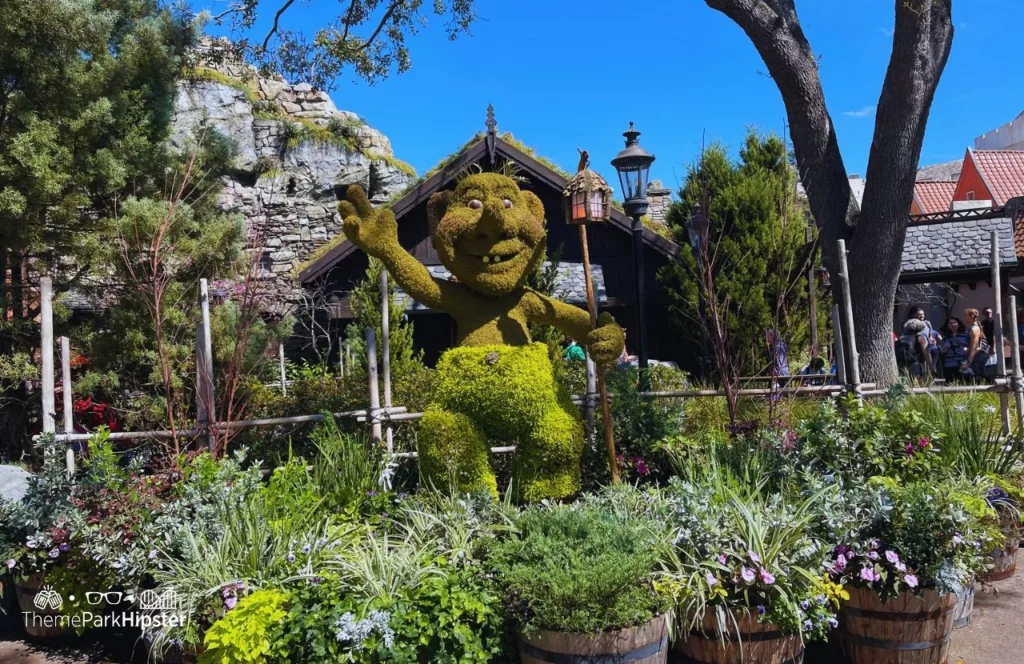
<point x="953" y="349"/>
<point x="977" y="349"/>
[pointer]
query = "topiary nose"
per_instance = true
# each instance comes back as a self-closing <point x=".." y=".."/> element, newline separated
<point x="492" y="220"/>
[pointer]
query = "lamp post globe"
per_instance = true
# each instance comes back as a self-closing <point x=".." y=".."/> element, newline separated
<point x="633" y="165"/>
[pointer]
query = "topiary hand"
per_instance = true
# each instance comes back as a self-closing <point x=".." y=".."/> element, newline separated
<point x="606" y="341"/>
<point x="372" y="230"/>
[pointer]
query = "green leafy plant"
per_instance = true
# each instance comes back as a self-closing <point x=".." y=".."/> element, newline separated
<point x="578" y="570"/>
<point x="242" y="635"/>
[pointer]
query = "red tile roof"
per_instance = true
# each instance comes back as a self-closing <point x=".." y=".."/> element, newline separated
<point x="934" y="195"/>
<point x="1002" y="171"/>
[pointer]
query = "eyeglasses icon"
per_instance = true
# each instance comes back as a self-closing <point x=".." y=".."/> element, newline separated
<point x="111" y="597"/>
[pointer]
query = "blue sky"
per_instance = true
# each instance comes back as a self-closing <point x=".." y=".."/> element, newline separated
<point x="559" y="78"/>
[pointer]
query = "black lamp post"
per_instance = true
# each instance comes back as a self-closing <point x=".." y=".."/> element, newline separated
<point x="633" y="164"/>
<point x="697" y="230"/>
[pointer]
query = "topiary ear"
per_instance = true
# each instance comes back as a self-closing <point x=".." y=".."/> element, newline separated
<point x="437" y="205"/>
<point x="534" y="205"/>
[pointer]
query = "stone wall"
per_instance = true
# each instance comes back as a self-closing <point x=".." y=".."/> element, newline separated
<point x="286" y="193"/>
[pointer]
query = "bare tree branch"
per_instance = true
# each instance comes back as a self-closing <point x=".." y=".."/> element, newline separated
<point x="277" y="20"/>
<point x="380" y="26"/>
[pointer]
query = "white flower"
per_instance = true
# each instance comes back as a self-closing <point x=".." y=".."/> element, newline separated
<point x="387" y="474"/>
<point x="990" y="409"/>
<point x="960" y="407"/>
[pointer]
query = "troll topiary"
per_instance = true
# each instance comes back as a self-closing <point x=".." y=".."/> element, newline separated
<point x="496" y="385"/>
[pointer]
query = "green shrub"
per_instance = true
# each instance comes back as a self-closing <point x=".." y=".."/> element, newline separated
<point x="578" y="570"/>
<point x="242" y="635"/>
<point x="347" y="469"/>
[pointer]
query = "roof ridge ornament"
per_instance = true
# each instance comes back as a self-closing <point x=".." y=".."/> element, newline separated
<point x="492" y="136"/>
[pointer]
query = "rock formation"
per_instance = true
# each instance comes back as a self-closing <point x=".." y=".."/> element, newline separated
<point x="295" y="153"/>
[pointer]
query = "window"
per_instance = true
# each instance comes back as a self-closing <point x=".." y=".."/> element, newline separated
<point x="970" y="195"/>
<point x="266" y="262"/>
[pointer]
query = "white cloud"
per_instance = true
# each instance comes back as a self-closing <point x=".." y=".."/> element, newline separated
<point x="865" y="112"/>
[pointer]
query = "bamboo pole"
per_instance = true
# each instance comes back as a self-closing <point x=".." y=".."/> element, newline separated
<point x="205" y="408"/>
<point x="1015" y="381"/>
<point x="46" y="354"/>
<point x="371" y="370"/>
<point x="69" y="415"/>
<point x="837" y="329"/>
<point x="590" y="398"/>
<point x="853" y="359"/>
<point x="385" y="349"/>
<point x="284" y="374"/>
<point x="997" y="288"/>
<point x="602" y="388"/>
<point x="341" y="358"/>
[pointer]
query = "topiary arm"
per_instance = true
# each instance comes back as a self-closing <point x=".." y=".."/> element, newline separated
<point x="376" y="232"/>
<point x="605" y="342"/>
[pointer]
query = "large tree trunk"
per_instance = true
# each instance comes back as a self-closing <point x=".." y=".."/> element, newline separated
<point x="921" y="44"/>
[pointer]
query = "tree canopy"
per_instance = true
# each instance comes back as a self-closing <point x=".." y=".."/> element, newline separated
<point x="756" y="230"/>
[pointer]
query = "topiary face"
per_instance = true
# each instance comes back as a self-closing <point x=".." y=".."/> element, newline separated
<point x="488" y="232"/>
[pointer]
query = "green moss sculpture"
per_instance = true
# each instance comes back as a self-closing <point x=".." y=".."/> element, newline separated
<point x="496" y="387"/>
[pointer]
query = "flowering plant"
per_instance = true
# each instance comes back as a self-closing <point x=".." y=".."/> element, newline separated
<point x="925" y="535"/>
<point x="760" y="556"/>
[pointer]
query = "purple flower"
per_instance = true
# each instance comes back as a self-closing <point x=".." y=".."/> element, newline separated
<point x="840" y="564"/>
<point x="842" y="549"/>
<point x="760" y="610"/>
<point x="291" y="557"/>
<point x="957" y="539"/>
<point x="869" y="574"/>
<point x="641" y="467"/>
<point x="226" y="593"/>
<point x="833" y="623"/>
<point x="901" y="567"/>
<point x="806" y="604"/>
<point x="748" y="574"/>
<point x="808" y="625"/>
<point x="305" y="549"/>
<point x="230" y="602"/>
<point x="64" y="548"/>
<point x="722" y="559"/>
<point x="31" y="543"/>
<point x="873" y="555"/>
<point x="910" y="449"/>
<point x="873" y="544"/>
<point x="152" y="554"/>
<point x="910" y="580"/>
<point x="767" y="576"/>
<point x="54" y="552"/>
<point x="753" y="556"/>
<point x="11" y="563"/>
<point x="712" y="581"/>
<point x="892" y="557"/>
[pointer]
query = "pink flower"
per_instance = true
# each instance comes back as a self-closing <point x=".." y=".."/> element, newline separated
<point x="910" y="580"/>
<point x="753" y="556"/>
<point x="868" y="574"/>
<point x="892" y="557"/>
<point x="923" y="443"/>
<point x="712" y="581"/>
<point x="641" y="467"/>
<point x="722" y="559"/>
<point x="748" y="574"/>
<point x="840" y="564"/>
<point x="910" y="449"/>
<point x="873" y="555"/>
<point x="767" y="577"/>
<point x="901" y="567"/>
<point x="230" y="602"/>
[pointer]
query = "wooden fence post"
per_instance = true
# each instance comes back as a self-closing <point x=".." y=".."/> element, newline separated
<point x="373" y="414"/>
<point x="284" y="374"/>
<point x="852" y="358"/>
<point x="385" y="349"/>
<point x="46" y="354"/>
<point x="206" y="410"/>
<point x="341" y="357"/>
<point x="1018" y="388"/>
<point x="997" y="294"/>
<point x="65" y="384"/>
<point x="840" y="354"/>
<point x="590" y="398"/>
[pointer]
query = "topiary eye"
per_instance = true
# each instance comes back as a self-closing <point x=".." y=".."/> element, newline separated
<point x="508" y="203"/>
<point x="475" y="204"/>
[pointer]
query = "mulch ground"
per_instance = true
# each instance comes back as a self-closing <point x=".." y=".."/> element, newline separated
<point x="995" y="636"/>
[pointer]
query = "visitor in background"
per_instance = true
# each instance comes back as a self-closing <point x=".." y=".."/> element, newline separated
<point x="933" y="338"/>
<point x="626" y="360"/>
<point x="953" y="349"/>
<point x="574" y="352"/>
<point x="988" y="326"/>
<point x="778" y="353"/>
<point x="815" y="368"/>
<point x="977" y="349"/>
<point x="912" y="349"/>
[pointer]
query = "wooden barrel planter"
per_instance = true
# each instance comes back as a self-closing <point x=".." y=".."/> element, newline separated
<point x="39" y="623"/>
<point x="964" y="608"/>
<point x="647" y="644"/>
<point x="746" y="641"/>
<point x="1005" y="564"/>
<point x="906" y="629"/>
